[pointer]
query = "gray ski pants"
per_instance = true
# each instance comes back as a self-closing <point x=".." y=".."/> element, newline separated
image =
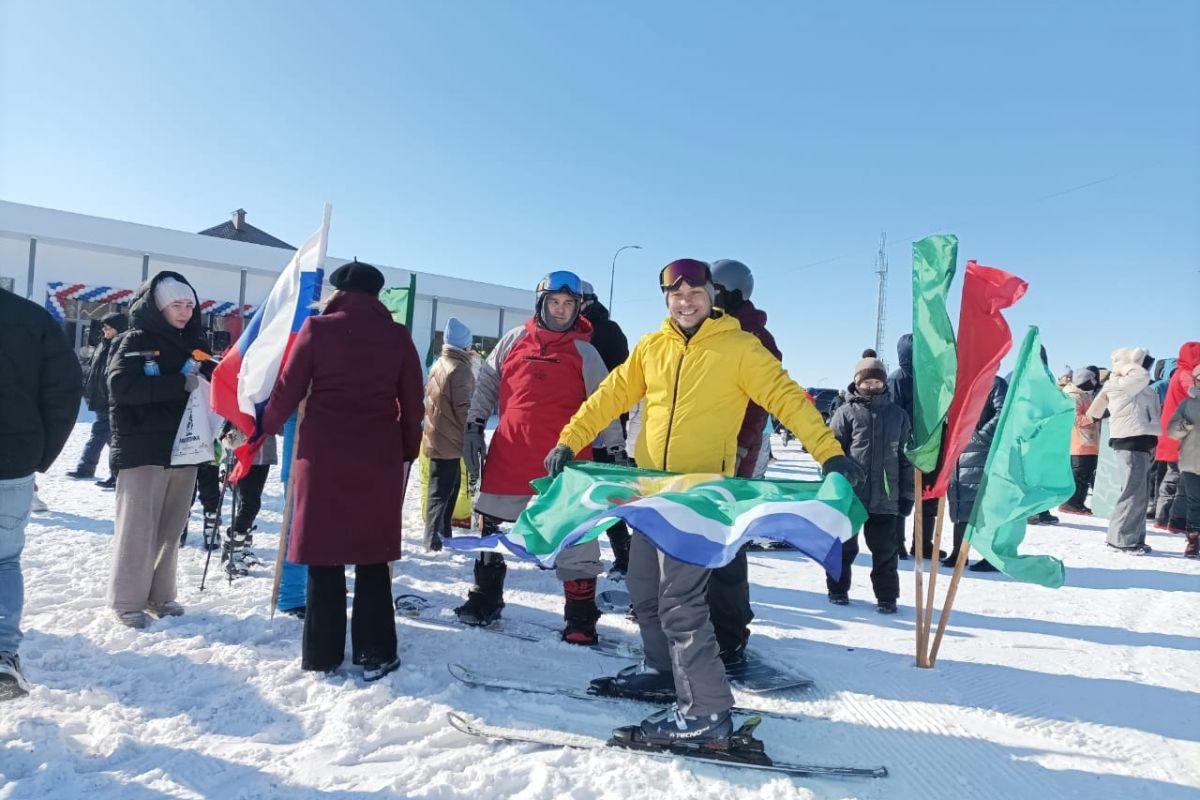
<point x="670" y="599"/>
<point x="1127" y="528"/>
<point x="153" y="504"/>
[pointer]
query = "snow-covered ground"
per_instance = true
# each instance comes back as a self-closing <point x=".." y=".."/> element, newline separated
<point x="1089" y="691"/>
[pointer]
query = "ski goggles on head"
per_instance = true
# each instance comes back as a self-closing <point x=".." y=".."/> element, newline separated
<point x="686" y="270"/>
<point x="561" y="281"/>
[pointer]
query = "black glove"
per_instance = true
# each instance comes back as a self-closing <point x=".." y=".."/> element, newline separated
<point x="906" y="506"/>
<point x="557" y="459"/>
<point x="848" y="468"/>
<point x="474" y="449"/>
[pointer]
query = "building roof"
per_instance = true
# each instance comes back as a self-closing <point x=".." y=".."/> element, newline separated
<point x="239" y="230"/>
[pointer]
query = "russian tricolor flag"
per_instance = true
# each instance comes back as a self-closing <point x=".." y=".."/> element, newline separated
<point x="245" y="378"/>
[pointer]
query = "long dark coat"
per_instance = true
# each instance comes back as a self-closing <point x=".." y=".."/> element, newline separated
<point x="362" y="422"/>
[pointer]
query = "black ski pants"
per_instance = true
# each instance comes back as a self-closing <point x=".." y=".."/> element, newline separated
<point x="618" y="535"/>
<point x="729" y="604"/>
<point x="249" y="490"/>
<point x="1083" y="468"/>
<point x="372" y="620"/>
<point x="445" y="479"/>
<point x="879" y="531"/>
<point x="208" y="485"/>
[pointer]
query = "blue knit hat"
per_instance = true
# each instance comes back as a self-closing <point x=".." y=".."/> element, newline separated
<point x="457" y="334"/>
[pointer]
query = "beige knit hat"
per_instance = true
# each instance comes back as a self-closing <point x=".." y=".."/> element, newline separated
<point x="869" y="368"/>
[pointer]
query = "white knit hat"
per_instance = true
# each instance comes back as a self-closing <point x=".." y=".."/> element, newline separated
<point x="168" y="290"/>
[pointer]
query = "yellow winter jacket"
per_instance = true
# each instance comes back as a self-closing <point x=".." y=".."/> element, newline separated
<point x="696" y="393"/>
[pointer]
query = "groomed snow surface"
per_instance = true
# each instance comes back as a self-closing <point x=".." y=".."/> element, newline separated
<point x="1084" y="692"/>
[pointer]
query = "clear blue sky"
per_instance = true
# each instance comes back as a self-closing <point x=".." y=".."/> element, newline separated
<point x="497" y="141"/>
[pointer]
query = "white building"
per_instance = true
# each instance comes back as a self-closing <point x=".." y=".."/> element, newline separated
<point x="81" y="266"/>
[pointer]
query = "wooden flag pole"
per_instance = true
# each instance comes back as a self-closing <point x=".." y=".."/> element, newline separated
<point x="919" y="570"/>
<point x="934" y="558"/>
<point x="285" y="529"/>
<point x="959" y="566"/>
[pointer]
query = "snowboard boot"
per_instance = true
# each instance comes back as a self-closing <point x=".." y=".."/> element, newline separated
<point x="640" y="681"/>
<point x="1193" y="545"/>
<point x="733" y="655"/>
<point x="486" y="598"/>
<point x="839" y="598"/>
<point x="580" y="612"/>
<point x="885" y="606"/>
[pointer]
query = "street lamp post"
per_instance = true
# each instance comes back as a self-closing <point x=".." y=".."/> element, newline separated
<point x="612" y="275"/>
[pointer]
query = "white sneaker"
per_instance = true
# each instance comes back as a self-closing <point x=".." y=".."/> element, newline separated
<point x="39" y="505"/>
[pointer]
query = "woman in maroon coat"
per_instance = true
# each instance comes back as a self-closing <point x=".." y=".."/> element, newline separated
<point x="362" y="427"/>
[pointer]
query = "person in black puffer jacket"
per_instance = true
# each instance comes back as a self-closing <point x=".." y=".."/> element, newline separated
<point x="148" y="394"/>
<point x="95" y="394"/>
<point x="900" y="388"/>
<point x="39" y="400"/>
<point x="610" y="342"/>
<point x="968" y="472"/>
<point x="874" y="432"/>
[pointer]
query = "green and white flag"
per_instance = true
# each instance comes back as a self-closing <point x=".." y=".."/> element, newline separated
<point x="701" y="519"/>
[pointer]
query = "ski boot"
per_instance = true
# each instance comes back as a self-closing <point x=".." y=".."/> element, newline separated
<point x="486" y="598"/>
<point x="709" y="736"/>
<point x="236" y="554"/>
<point x="639" y="681"/>
<point x="580" y="612"/>
<point x="212" y="530"/>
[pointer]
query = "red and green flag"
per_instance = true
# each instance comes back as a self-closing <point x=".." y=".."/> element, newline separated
<point x="1028" y="469"/>
<point x="934" y="358"/>
<point x="984" y="339"/>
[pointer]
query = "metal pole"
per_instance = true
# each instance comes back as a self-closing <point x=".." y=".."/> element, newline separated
<point x="500" y="332"/>
<point x="241" y="309"/>
<point x="432" y="322"/>
<point x="32" y="267"/>
<point x="612" y="275"/>
<point x="145" y="267"/>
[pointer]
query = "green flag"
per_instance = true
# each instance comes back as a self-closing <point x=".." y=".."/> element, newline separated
<point x="935" y="361"/>
<point x="401" y="301"/>
<point x="1028" y="469"/>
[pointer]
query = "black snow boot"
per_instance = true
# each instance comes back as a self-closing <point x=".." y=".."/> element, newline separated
<point x="486" y="598"/>
<point x="580" y="612"/>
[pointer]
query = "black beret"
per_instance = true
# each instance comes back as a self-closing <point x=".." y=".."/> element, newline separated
<point x="357" y="276"/>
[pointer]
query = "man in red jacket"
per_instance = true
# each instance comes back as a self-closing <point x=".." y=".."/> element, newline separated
<point x="538" y="375"/>
<point x="729" y="586"/>
<point x="1174" y="508"/>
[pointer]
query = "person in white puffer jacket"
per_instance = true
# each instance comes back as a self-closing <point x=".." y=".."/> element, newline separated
<point x="1134" y="425"/>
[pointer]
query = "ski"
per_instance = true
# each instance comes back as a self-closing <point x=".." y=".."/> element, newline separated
<point x="575" y="741"/>
<point x="471" y="678"/>
<point x="411" y="606"/>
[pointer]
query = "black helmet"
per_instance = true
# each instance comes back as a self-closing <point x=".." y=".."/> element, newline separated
<point x="734" y="282"/>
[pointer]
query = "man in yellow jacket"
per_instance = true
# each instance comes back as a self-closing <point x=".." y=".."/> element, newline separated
<point x="696" y="373"/>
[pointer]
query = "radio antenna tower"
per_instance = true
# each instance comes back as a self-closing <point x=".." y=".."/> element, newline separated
<point x="881" y="269"/>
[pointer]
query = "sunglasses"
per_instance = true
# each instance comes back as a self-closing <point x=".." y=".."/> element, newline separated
<point x="561" y="281"/>
<point x="686" y="270"/>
